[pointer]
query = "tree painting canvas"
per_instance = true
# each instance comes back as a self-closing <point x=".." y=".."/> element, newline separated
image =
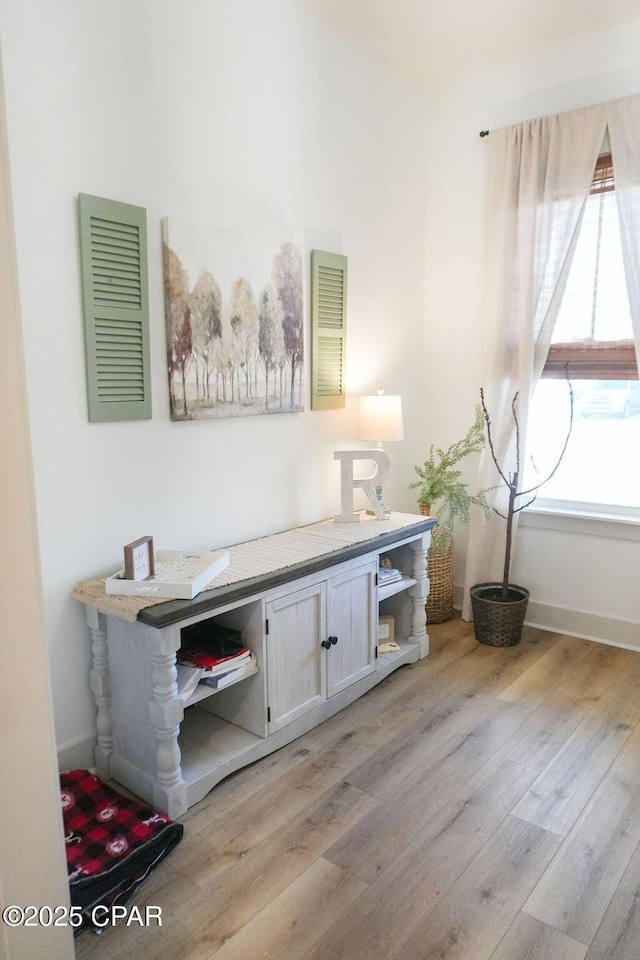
<point x="235" y="322"/>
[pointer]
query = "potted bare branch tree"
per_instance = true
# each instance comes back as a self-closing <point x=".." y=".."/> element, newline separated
<point x="499" y="608"/>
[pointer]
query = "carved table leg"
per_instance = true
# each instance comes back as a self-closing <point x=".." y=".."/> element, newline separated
<point x="101" y="689"/>
<point x="166" y="713"/>
<point x="419" y="593"/>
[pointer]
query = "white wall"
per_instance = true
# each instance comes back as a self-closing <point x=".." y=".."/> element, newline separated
<point x="244" y="114"/>
<point x="566" y="571"/>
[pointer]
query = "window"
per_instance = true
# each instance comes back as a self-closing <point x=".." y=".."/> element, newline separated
<point x="593" y="336"/>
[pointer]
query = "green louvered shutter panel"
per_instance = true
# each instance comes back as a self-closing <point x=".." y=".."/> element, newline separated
<point x="328" y="329"/>
<point x="113" y="251"/>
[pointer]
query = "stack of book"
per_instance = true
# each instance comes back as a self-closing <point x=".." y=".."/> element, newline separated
<point x="388" y="575"/>
<point x="212" y="655"/>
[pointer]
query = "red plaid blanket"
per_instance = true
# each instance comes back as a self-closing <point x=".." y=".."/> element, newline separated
<point x="113" y="843"/>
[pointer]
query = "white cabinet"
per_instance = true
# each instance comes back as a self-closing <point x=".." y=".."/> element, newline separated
<point x="311" y="624"/>
<point x="320" y="641"/>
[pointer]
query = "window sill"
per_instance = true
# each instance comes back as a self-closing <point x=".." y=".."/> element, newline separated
<point x="590" y="519"/>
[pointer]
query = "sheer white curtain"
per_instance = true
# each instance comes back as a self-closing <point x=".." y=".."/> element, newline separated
<point x="539" y="179"/>
<point x="623" y="119"/>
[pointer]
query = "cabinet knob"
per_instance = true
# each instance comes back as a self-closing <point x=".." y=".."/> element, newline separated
<point x="333" y="640"/>
<point x="326" y="644"/>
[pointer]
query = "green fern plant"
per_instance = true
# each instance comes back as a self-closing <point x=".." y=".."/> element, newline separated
<point x="442" y="488"/>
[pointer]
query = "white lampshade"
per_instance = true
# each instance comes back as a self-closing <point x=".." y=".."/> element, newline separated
<point x="380" y="418"/>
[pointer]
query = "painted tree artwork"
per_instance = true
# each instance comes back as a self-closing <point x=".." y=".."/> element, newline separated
<point x="234" y="314"/>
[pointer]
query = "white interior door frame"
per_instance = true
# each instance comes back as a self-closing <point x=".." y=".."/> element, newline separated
<point x="32" y="859"/>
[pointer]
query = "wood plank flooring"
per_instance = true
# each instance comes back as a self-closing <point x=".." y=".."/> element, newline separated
<point x="483" y="804"/>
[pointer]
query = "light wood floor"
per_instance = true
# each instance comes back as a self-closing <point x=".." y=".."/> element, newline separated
<point x="483" y="803"/>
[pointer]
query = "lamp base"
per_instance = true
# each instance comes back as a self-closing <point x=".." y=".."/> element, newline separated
<point x="385" y="510"/>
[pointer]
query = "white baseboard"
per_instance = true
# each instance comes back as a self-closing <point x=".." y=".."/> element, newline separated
<point x="591" y="626"/>
<point x="78" y="755"/>
<point x="576" y="623"/>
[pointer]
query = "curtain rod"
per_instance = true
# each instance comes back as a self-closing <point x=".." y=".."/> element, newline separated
<point x="484" y="133"/>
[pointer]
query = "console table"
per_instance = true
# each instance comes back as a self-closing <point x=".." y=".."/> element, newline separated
<point x="286" y="594"/>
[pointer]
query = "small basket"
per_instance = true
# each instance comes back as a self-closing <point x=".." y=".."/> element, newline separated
<point x="497" y="622"/>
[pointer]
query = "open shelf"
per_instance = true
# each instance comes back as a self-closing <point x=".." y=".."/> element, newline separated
<point x="406" y="654"/>
<point x="203" y="690"/>
<point x="211" y="748"/>
<point x="390" y="589"/>
<point x="207" y="741"/>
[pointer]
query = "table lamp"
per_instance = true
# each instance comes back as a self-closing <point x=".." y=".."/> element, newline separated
<point x="380" y="421"/>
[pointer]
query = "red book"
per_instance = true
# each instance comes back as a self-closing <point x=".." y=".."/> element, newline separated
<point x="197" y="657"/>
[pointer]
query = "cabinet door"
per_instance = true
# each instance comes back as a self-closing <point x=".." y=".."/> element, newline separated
<point x="351" y="626"/>
<point x="296" y="662"/>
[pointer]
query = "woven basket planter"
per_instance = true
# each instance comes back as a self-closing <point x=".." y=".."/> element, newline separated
<point x="439" y="605"/>
<point x="497" y="622"/>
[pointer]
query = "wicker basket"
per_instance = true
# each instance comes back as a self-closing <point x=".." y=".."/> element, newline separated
<point x="439" y="605"/>
<point x="497" y="622"/>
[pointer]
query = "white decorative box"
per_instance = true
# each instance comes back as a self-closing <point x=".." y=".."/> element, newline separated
<point x="179" y="575"/>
